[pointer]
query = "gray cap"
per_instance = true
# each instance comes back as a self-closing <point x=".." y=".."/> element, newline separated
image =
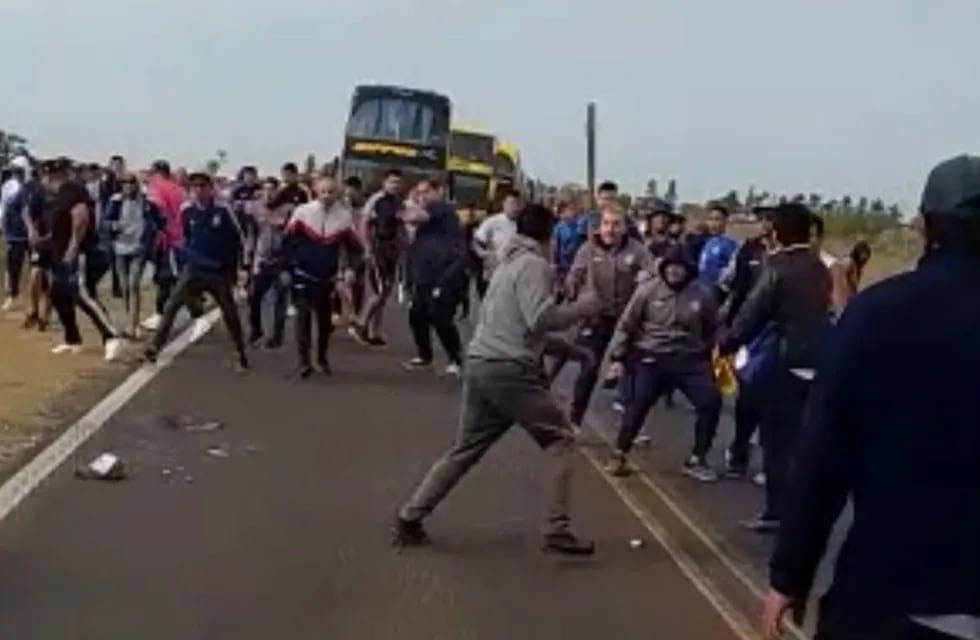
<point x="953" y="188"/>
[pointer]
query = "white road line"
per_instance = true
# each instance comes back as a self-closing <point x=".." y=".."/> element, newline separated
<point x="22" y="483"/>
<point x="733" y="567"/>
<point x="688" y="566"/>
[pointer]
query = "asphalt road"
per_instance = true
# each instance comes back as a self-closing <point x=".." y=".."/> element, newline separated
<point x="281" y="529"/>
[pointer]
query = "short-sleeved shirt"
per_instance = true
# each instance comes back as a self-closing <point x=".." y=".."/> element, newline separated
<point x="60" y="206"/>
<point x="291" y="194"/>
<point x="382" y="210"/>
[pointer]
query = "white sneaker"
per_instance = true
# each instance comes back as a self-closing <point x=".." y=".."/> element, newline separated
<point x="291" y="311"/>
<point x="71" y="349"/>
<point x="759" y="479"/>
<point x="618" y="407"/>
<point x="113" y="347"/>
<point x="642" y="440"/>
<point x="8" y="304"/>
<point x="453" y="370"/>
<point x="199" y="328"/>
<point x="152" y="323"/>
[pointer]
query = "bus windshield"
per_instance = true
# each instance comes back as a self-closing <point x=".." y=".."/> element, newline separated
<point x="472" y="147"/>
<point x="398" y="119"/>
<point x="469" y="190"/>
<point x="503" y="165"/>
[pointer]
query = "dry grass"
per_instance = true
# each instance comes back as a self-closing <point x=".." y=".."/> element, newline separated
<point x="40" y="391"/>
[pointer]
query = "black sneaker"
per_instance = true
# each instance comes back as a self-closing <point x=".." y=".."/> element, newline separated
<point x="305" y="371"/>
<point x="150" y="355"/>
<point x="32" y="321"/>
<point x="323" y="366"/>
<point x="272" y="344"/>
<point x="406" y="533"/>
<point x="736" y="466"/>
<point x="242" y="365"/>
<point x="255" y="339"/>
<point x="566" y="544"/>
<point x="377" y="341"/>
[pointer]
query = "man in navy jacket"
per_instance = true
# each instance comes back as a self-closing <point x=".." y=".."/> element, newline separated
<point x="212" y="255"/>
<point x="895" y="426"/>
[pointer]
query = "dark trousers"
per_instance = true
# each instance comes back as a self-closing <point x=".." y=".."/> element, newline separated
<point x="69" y="292"/>
<point x="14" y="267"/>
<point x="652" y="376"/>
<point x="262" y="282"/>
<point x="314" y="302"/>
<point x="748" y="412"/>
<point x="435" y="308"/>
<point x="782" y="413"/>
<point x="842" y="628"/>
<point x="118" y="281"/>
<point x="165" y="273"/>
<point x="189" y="289"/>
<point x="595" y="339"/>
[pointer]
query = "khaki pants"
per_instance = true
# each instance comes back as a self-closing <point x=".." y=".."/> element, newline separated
<point x="497" y="395"/>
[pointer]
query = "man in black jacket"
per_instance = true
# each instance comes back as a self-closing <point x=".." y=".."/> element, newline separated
<point x="793" y="296"/>
<point x="896" y="427"/>
<point x="437" y="267"/>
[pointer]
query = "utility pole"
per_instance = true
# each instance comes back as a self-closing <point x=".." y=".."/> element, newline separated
<point x="590" y="151"/>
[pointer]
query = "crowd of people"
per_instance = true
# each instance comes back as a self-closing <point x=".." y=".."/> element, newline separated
<point x="642" y="305"/>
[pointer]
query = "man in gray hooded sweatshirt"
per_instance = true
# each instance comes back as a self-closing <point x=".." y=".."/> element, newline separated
<point x="504" y="384"/>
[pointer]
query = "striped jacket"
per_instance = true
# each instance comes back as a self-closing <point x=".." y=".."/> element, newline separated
<point x="315" y="236"/>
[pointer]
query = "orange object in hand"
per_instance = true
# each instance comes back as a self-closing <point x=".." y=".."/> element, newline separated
<point x="724" y="373"/>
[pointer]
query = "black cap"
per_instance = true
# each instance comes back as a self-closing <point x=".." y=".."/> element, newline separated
<point x="199" y="177"/>
<point x="953" y="188"/>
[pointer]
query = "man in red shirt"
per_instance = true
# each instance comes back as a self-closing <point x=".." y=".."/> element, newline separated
<point x="165" y="191"/>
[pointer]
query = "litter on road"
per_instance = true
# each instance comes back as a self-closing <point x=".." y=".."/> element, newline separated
<point x="106" y="466"/>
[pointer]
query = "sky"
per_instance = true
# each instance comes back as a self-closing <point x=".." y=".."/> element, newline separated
<point x="855" y="97"/>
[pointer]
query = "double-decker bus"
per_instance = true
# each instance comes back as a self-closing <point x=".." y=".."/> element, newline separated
<point x="470" y="169"/>
<point x="395" y="127"/>
<point x="507" y="174"/>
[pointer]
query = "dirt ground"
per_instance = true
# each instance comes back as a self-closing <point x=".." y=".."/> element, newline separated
<point x="41" y="392"/>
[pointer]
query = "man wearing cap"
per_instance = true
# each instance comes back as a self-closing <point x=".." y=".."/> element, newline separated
<point x="74" y="241"/>
<point x="792" y="296"/>
<point x="212" y="254"/>
<point x="896" y="428"/>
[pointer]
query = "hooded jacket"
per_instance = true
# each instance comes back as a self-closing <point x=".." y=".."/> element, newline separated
<point x="665" y="320"/>
<point x="519" y="307"/>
